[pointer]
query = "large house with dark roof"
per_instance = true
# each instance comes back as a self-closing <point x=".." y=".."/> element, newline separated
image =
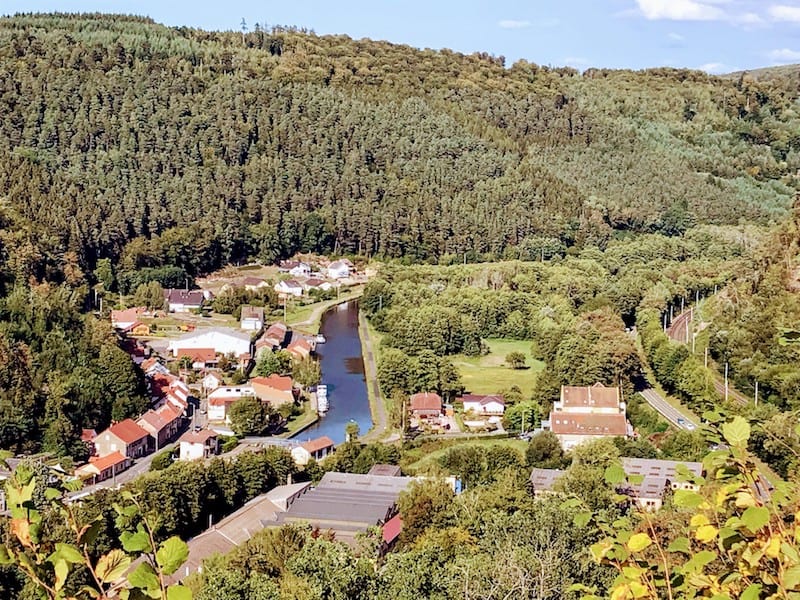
<point x="183" y="300"/>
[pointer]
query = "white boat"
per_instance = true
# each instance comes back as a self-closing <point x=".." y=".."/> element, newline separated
<point x="322" y="399"/>
<point x="320" y="339"/>
<point x="322" y="390"/>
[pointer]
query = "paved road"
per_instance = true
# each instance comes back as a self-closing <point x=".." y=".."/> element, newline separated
<point x="666" y="410"/>
<point x="380" y="424"/>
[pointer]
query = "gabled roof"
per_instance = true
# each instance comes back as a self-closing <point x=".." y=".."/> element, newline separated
<point x="392" y="529"/>
<point x="277" y="382"/>
<point x="320" y="443"/>
<point x="544" y="479"/>
<point x="598" y="396"/>
<point x="106" y="462"/>
<point x="187" y="297"/>
<point x="128" y="431"/>
<point x="563" y="423"/>
<point x="340" y="264"/>
<point x="253" y="312"/>
<point x="203" y="355"/>
<point x="314" y="282"/>
<point x="198" y="437"/>
<point x="483" y="400"/>
<point x="161" y="418"/>
<point x="129" y="315"/>
<point x="426" y="401"/>
<point x="87" y="435"/>
<point x="254" y="281"/>
<point x="290" y="283"/>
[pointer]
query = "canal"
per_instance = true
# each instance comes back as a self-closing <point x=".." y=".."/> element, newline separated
<point x="343" y="372"/>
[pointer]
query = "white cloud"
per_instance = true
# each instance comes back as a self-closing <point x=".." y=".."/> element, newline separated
<point x="680" y="10"/>
<point x="782" y="12"/>
<point x="716" y="68"/>
<point x="784" y="55"/>
<point x="675" y="37"/>
<point x="513" y="24"/>
<point x="748" y="18"/>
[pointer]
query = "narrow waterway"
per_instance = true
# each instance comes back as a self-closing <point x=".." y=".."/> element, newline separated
<point x="343" y="372"/>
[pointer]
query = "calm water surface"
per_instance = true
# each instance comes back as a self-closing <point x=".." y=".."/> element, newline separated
<point x="343" y="373"/>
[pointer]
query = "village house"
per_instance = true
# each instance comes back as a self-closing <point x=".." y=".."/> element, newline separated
<point x="317" y="449"/>
<point x="87" y="437"/>
<point x="104" y="467"/>
<point x="274" y="338"/>
<point x="220" y="400"/>
<point x="198" y="358"/>
<point x="153" y="366"/>
<point x="198" y="445"/>
<point x="316" y="284"/>
<point x="339" y="269"/>
<point x="301" y="269"/>
<point x="426" y="406"/>
<point x="139" y="328"/>
<point x="289" y="287"/>
<point x="585" y="413"/>
<point x="275" y="389"/>
<point x="300" y="348"/>
<point x="484" y="405"/>
<point x="123" y="320"/>
<point x="222" y="340"/>
<point x="162" y="424"/>
<point x="253" y="284"/>
<point x="125" y="437"/>
<point x="212" y="381"/>
<point x="252" y="318"/>
<point x="181" y="301"/>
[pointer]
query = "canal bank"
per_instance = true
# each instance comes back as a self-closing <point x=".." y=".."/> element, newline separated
<point x="342" y="366"/>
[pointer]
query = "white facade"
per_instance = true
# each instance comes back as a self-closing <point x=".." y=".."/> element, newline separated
<point x="192" y="451"/>
<point x="223" y="341"/>
<point x="251" y="324"/>
<point x="301" y="270"/>
<point x="211" y="382"/>
<point x="489" y="408"/>
<point x="221" y="398"/>
<point x="289" y="288"/>
<point x="338" y="270"/>
<point x="301" y="456"/>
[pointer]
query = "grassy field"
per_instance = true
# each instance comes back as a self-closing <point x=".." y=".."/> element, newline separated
<point x="419" y="460"/>
<point x="490" y="375"/>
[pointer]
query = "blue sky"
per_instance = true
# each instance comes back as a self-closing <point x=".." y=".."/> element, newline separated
<point x="714" y="35"/>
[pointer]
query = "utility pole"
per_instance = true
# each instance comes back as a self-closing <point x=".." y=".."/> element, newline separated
<point x="705" y="361"/>
<point x="665" y="322"/>
<point x="756" y="396"/>
<point x="683" y="302"/>
<point x="726" y="382"/>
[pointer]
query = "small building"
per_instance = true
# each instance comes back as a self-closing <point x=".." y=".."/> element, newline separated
<point x="275" y="389"/>
<point x="274" y="338"/>
<point x="543" y="481"/>
<point x="301" y="269"/>
<point x="657" y="476"/>
<point x="385" y="470"/>
<point x="180" y="301"/>
<point x="587" y="412"/>
<point x="212" y="381"/>
<point x="484" y="405"/>
<point x="339" y="269"/>
<point x="289" y="287"/>
<point x="162" y="424"/>
<point x="317" y="449"/>
<point x="198" y="358"/>
<point x="426" y="406"/>
<point x="252" y="318"/>
<point x="125" y="437"/>
<point x="220" y="400"/>
<point x="314" y="283"/>
<point x="139" y="328"/>
<point x="390" y="533"/>
<point x="125" y="319"/>
<point x="253" y="284"/>
<point x="300" y="348"/>
<point x="221" y="339"/>
<point x="198" y="445"/>
<point x="102" y="468"/>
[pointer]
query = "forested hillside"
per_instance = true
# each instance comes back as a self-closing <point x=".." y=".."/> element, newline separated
<point x="156" y="146"/>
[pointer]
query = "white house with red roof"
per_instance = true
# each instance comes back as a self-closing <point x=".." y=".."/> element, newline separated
<point x="289" y="287"/>
<point x="275" y="389"/>
<point x="484" y="405"/>
<point x="103" y="467"/>
<point x="317" y="449"/>
<point x="197" y="445"/>
<point x="220" y="400"/>
<point x="212" y="380"/>
<point x="426" y="406"/>
<point x="199" y="358"/>
<point x="127" y="318"/>
<point x="586" y="413"/>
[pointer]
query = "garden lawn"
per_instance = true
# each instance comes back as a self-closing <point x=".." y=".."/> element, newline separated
<point x="490" y="375"/>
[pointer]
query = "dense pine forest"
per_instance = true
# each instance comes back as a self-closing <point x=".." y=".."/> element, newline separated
<point x="131" y="152"/>
<point x="157" y="146"/>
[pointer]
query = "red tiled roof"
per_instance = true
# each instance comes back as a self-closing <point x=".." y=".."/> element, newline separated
<point x="87" y="435"/>
<point x="292" y="283"/>
<point x="318" y="444"/>
<point x="128" y="431"/>
<point x="392" y="529"/>
<point x="106" y="462"/>
<point x="588" y="424"/>
<point x="277" y="382"/>
<point x="204" y="355"/>
<point x="598" y="396"/>
<point x="426" y="401"/>
<point x="161" y="418"/>
<point x="314" y="282"/>
<point x="198" y="437"/>
<point x="299" y="343"/>
<point x="128" y="315"/>
<point x="222" y="400"/>
<point x="253" y="281"/>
